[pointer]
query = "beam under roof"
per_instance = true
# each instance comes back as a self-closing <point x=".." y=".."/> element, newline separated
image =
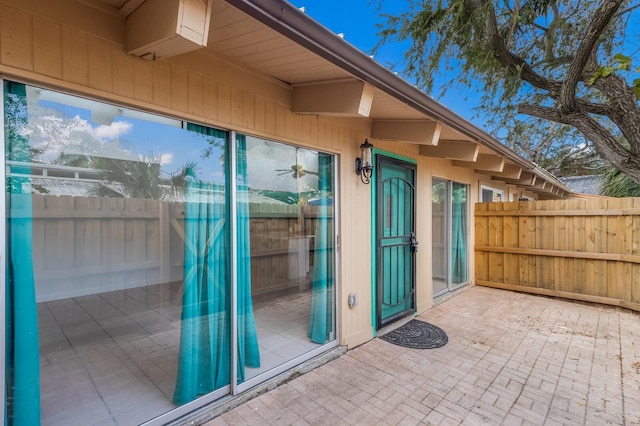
<point x="539" y="183"/>
<point x="164" y="28"/>
<point x="510" y="171"/>
<point x="343" y="99"/>
<point x="287" y="19"/>
<point x="526" y="178"/>
<point x="485" y="162"/>
<point x="423" y="132"/>
<point x="453" y="150"/>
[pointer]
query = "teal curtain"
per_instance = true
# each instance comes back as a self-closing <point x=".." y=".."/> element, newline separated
<point x="248" y="350"/>
<point x="204" y="359"/>
<point x="205" y="347"/>
<point x="22" y="379"/>
<point x="459" y="260"/>
<point x="322" y="287"/>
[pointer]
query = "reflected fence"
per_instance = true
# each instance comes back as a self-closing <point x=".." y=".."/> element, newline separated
<point x="89" y="245"/>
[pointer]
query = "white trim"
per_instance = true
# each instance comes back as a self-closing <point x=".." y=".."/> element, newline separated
<point x="233" y="256"/>
<point x="338" y="248"/>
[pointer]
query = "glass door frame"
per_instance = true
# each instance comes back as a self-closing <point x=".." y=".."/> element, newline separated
<point x="448" y="213"/>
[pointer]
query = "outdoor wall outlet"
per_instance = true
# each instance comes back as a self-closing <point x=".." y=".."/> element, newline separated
<point x="352" y="300"/>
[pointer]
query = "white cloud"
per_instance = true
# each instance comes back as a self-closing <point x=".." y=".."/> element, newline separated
<point x="113" y="131"/>
<point x="166" y="158"/>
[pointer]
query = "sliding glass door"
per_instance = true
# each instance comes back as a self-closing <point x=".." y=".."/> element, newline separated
<point x="449" y="220"/>
<point x="142" y="281"/>
<point x="286" y="207"/>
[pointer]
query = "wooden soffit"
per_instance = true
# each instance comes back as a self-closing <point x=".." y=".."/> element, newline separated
<point x="343" y="98"/>
<point x="484" y="162"/>
<point x="423" y="132"/>
<point x="454" y="150"/>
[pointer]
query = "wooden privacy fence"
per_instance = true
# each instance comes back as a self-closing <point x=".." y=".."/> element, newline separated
<point x="583" y="249"/>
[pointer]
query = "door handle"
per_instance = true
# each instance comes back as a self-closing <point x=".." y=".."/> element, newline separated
<point x="413" y="242"/>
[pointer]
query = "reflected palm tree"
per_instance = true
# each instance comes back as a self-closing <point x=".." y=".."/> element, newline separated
<point x="140" y="179"/>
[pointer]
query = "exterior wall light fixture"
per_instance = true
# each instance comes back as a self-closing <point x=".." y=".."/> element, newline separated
<point x="364" y="163"/>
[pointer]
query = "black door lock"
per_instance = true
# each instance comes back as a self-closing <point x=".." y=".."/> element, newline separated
<point x="413" y="242"/>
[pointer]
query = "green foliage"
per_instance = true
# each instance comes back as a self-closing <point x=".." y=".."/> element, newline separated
<point x="617" y="184"/>
<point x="448" y="36"/>
<point x="525" y="53"/>
<point x="621" y="63"/>
<point x="556" y="147"/>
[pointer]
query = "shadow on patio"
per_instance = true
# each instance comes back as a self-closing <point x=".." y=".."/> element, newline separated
<point x="512" y="359"/>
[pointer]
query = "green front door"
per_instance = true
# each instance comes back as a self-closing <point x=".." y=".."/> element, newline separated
<point x="395" y="236"/>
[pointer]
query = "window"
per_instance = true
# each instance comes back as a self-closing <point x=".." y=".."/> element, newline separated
<point x="491" y="195"/>
<point x="449" y="216"/>
<point x="125" y="258"/>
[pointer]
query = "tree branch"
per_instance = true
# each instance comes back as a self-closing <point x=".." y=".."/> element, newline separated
<point x="601" y="19"/>
<point x="553" y="62"/>
<point x="623" y="108"/>
<point x="603" y="140"/>
<point x="540" y="27"/>
<point x="627" y="10"/>
<point x="591" y="108"/>
<point x="512" y="61"/>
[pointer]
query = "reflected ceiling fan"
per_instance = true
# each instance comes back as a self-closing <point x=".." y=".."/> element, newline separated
<point x="297" y="171"/>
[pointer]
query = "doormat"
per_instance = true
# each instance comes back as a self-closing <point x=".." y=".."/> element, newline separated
<point x="417" y="335"/>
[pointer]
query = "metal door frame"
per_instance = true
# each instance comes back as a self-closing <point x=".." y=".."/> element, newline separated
<point x="380" y="161"/>
<point x="451" y="287"/>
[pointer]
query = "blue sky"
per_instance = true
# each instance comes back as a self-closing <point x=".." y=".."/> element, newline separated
<point x="357" y="20"/>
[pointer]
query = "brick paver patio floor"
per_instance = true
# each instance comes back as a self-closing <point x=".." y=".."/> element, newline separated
<point x="512" y="359"/>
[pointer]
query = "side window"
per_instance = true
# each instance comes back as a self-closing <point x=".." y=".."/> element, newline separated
<point x="491" y="195"/>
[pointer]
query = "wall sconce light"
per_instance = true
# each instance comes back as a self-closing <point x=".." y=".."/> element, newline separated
<point x="364" y="163"/>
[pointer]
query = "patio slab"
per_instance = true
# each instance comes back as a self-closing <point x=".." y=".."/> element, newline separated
<point x="511" y="359"/>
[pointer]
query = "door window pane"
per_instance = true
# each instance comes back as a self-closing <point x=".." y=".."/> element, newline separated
<point x="118" y="273"/>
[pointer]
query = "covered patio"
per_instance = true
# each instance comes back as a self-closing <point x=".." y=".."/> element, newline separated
<point x="512" y="359"/>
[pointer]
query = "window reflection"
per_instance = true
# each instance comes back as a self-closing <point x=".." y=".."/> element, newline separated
<point x="119" y="270"/>
<point x="291" y="211"/>
<point x="102" y="191"/>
